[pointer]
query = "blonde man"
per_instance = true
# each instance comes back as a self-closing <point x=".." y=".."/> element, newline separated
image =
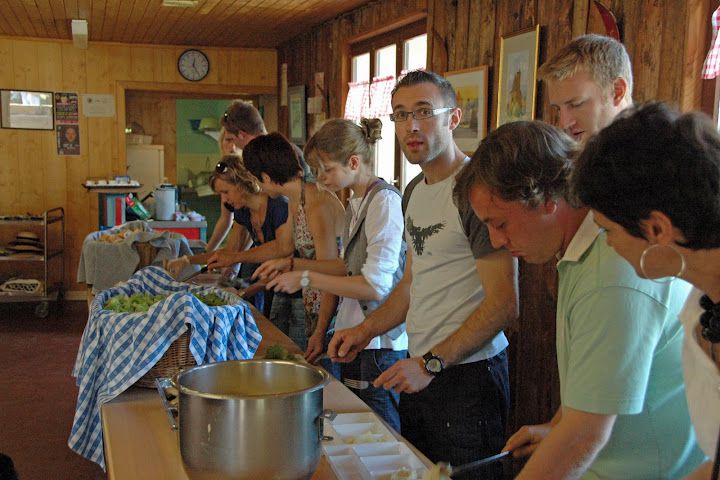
<point x="589" y="82"/>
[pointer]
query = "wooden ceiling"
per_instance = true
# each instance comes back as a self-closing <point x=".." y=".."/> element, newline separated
<point x="220" y="23"/>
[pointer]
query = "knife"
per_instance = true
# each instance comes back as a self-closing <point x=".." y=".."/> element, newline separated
<point x="204" y="269"/>
<point x="460" y="469"/>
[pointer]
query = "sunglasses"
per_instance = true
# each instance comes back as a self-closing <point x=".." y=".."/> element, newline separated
<point x="221" y="167"/>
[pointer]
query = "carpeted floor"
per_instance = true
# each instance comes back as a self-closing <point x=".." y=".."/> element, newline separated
<point x="38" y="393"/>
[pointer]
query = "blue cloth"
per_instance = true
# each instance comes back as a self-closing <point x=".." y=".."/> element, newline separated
<point x="117" y="349"/>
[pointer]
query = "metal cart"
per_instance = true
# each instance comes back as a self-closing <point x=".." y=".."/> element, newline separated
<point x="48" y="266"/>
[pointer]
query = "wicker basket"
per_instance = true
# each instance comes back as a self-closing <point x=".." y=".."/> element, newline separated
<point x="176" y="358"/>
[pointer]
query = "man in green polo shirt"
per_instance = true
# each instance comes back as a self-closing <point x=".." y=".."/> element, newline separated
<point x="623" y="411"/>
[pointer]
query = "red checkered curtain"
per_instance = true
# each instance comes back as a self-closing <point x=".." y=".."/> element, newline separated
<point x="357" y="104"/>
<point x="380" y="96"/>
<point x="711" y="67"/>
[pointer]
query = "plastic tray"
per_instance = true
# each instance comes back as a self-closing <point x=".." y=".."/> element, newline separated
<point x="364" y="449"/>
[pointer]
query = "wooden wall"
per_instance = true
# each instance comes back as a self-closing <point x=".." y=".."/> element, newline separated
<point x="33" y="177"/>
<point x="667" y="41"/>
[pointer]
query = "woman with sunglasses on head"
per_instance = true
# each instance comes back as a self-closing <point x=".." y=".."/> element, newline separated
<point x="225" y="221"/>
<point x="315" y="218"/>
<point x="652" y="179"/>
<point x="256" y="216"/>
<point x="373" y="260"/>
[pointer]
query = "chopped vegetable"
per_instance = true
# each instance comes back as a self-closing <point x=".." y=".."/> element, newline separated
<point x="141" y="302"/>
<point x="278" y="352"/>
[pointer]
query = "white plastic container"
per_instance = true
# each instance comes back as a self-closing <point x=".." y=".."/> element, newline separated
<point x="165" y="200"/>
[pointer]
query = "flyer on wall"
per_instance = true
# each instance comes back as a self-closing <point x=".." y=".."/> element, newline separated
<point x="66" y="108"/>
<point x="68" y="139"/>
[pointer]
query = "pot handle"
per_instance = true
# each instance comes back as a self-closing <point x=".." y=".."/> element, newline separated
<point x="162" y="385"/>
<point x="325" y="415"/>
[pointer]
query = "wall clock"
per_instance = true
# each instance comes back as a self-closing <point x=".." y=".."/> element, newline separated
<point x="193" y="65"/>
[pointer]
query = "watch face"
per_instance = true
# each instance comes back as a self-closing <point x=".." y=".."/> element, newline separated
<point x="305" y="279"/>
<point x="193" y="65"/>
<point x="434" y="365"/>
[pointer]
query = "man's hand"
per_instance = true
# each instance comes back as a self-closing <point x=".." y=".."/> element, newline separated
<point x="221" y="258"/>
<point x="405" y="376"/>
<point x="176" y="265"/>
<point x="346" y="344"/>
<point x="272" y="268"/>
<point x="314" y="347"/>
<point x="524" y="442"/>
<point x="287" y="282"/>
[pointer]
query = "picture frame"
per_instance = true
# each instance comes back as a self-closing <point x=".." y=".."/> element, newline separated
<point x="517" y="80"/>
<point x="471" y="90"/>
<point x="297" y="120"/>
<point x="27" y="109"/>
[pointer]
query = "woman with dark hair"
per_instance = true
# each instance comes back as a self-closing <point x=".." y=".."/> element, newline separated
<point x="255" y="215"/>
<point x="315" y="220"/>
<point x="652" y="179"/>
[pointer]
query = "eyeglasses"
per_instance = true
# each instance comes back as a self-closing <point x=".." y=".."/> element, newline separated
<point x="221" y="167"/>
<point x="419" y="114"/>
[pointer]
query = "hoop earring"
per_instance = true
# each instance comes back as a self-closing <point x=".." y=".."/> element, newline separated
<point x="647" y="250"/>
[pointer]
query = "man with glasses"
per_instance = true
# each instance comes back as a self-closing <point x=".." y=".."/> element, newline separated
<point x="457" y="295"/>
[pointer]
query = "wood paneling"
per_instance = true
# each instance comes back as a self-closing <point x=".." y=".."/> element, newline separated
<point x="33" y="177"/>
<point x="218" y="23"/>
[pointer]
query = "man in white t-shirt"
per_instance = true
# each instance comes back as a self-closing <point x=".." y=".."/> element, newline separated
<point x="457" y="295"/>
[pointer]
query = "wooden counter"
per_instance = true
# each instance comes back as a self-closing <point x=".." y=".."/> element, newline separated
<point x="139" y="443"/>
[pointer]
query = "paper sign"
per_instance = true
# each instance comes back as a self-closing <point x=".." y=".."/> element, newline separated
<point x="98" y="105"/>
<point x="66" y="108"/>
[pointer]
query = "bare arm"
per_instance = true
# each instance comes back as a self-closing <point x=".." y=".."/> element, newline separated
<point x="222" y="227"/>
<point x="283" y="245"/>
<point x="496" y="312"/>
<point x="570" y="447"/>
<point x="346" y="344"/>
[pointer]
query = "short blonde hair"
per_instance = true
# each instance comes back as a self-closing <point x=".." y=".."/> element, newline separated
<point x="604" y="58"/>
<point x="231" y="169"/>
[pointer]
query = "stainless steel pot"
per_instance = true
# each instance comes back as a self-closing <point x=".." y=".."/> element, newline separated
<point x="249" y="419"/>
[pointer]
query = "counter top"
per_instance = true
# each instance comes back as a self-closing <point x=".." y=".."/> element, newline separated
<point x="140" y="444"/>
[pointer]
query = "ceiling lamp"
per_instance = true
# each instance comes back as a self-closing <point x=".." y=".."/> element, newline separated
<point x="179" y="3"/>
<point x="80" y="33"/>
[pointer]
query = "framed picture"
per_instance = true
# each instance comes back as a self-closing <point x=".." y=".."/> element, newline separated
<point x="296" y="114"/>
<point x="471" y="90"/>
<point x="517" y="78"/>
<point x="27" y="109"/>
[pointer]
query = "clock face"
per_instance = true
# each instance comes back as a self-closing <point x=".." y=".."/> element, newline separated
<point x="193" y="65"/>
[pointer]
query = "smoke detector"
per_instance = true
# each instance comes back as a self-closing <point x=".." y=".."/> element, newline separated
<point x="179" y="3"/>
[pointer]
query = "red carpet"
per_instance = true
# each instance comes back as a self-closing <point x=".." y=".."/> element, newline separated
<point x="38" y="393"/>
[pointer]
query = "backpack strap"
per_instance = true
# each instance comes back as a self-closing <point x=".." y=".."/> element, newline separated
<point x="408" y="190"/>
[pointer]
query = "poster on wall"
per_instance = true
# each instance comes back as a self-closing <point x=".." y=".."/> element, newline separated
<point x="66" y="108"/>
<point x="68" y="139"/>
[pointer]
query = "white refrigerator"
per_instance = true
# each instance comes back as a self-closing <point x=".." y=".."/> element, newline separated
<point x="146" y="164"/>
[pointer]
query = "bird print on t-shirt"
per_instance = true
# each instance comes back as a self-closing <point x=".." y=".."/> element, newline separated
<point x="420" y="234"/>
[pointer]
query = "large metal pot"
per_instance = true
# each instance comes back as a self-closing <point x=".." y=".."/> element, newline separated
<point x="249" y="419"/>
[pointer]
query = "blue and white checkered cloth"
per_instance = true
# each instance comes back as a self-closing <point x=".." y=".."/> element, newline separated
<point x="117" y="349"/>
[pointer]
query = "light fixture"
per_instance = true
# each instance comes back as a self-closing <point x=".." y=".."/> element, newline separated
<point x="209" y="124"/>
<point x="80" y="33"/>
<point x="179" y="3"/>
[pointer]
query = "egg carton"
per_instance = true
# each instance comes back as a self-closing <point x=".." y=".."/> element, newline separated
<point x="364" y="449"/>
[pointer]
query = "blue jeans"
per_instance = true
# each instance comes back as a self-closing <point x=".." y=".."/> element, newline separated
<point x="288" y="315"/>
<point x="362" y="371"/>
<point x="462" y="415"/>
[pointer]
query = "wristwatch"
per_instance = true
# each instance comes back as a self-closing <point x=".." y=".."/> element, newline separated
<point x="433" y="364"/>
<point x="305" y="279"/>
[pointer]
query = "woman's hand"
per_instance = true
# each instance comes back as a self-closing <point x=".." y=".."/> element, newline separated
<point x="524" y="442"/>
<point x="176" y="265"/>
<point x="272" y="268"/>
<point x="287" y="282"/>
<point x="315" y="345"/>
<point x="221" y="258"/>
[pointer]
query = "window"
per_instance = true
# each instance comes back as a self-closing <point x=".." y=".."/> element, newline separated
<point x="376" y="64"/>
